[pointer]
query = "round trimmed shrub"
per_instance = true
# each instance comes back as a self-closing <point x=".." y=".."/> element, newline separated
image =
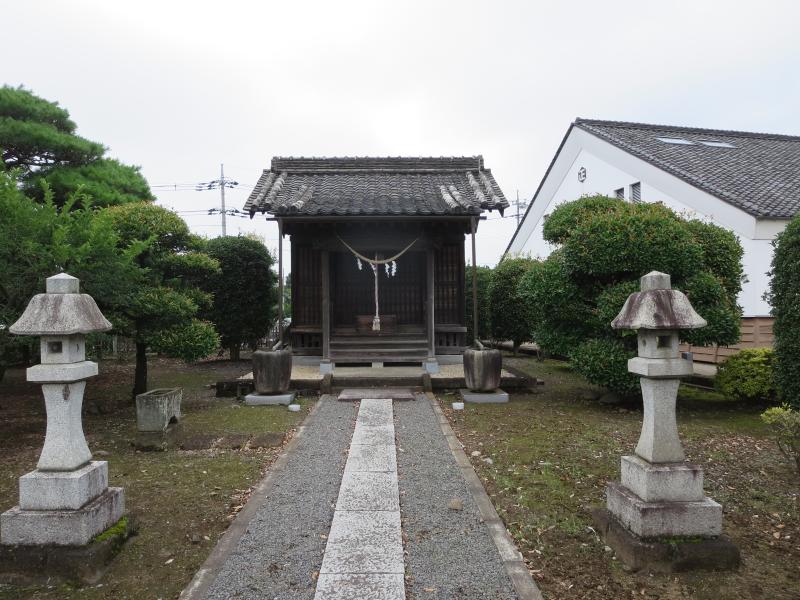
<point x="604" y="361"/>
<point x="748" y="375"/>
<point x="509" y="316"/>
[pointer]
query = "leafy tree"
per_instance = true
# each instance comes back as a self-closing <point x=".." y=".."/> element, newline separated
<point x="245" y="291"/>
<point x="784" y="296"/>
<point x="509" y="317"/>
<point x="40" y="240"/>
<point x="38" y="138"/>
<point x="162" y="312"/>
<point x="484" y="278"/>
<point x="604" y="246"/>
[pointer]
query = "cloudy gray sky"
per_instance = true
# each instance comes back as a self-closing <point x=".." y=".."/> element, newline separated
<point x="180" y="87"/>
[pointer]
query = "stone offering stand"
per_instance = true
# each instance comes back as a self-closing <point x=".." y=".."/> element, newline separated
<point x="66" y="502"/>
<point x="658" y="517"/>
<point x="483" y="368"/>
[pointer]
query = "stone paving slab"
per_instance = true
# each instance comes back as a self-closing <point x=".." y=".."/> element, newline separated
<point x="373" y="393"/>
<point x="378" y="586"/>
<point x="373" y="435"/>
<point x="372" y="458"/>
<point x="368" y="491"/>
<point x="358" y="540"/>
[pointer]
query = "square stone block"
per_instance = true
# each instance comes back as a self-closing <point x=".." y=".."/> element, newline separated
<point x="363" y="458"/>
<point x="671" y="482"/>
<point x="494" y="397"/>
<point x="364" y="542"/>
<point x="373" y="435"/>
<point x="156" y="409"/>
<point x="62" y="527"/>
<point x="360" y="586"/>
<point x="663" y="519"/>
<point x="269" y="399"/>
<point x="62" y="490"/>
<point x="368" y="491"/>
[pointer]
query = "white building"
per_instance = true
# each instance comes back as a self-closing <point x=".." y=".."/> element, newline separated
<point x="748" y="183"/>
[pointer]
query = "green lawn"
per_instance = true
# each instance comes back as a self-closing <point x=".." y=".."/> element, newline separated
<point x="553" y="451"/>
<point x="182" y="500"/>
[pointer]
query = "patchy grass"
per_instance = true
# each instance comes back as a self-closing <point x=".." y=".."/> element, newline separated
<point x="183" y="500"/>
<point x="553" y="451"/>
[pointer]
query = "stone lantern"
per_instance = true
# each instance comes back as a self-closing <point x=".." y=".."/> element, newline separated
<point x="658" y="516"/>
<point x="66" y="501"/>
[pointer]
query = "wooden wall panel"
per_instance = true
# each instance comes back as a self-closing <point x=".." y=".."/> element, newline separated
<point x="756" y="333"/>
<point x="449" y="284"/>
<point x="306" y="286"/>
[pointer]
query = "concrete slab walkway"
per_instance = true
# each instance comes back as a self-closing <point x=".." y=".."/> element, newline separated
<point x="364" y="554"/>
<point x="358" y="507"/>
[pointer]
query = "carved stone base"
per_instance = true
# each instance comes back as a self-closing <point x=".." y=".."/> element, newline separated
<point x="50" y="564"/>
<point x="666" y="555"/>
<point x="663" y="518"/>
<point x="62" y="527"/>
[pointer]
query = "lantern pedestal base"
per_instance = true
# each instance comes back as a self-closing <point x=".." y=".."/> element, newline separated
<point x="495" y="397"/>
<point x="62" y="490"/>
<point x="665" y="554"/>
<point x="62" y="527"/>
<point x="701" y="518"/>
<point x="50" y="564"/>
<point x="662" y="482"/>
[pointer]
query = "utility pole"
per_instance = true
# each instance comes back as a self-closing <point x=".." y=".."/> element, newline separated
<point x="519" y="205"/>
<point x="222" y="183"/>
<point x="222" y="199"/>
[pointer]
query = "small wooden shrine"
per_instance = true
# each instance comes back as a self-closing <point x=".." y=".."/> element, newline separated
<point x="377" y="251"/>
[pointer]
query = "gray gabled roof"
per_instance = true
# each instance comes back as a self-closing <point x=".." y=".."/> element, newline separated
<point x="760" y="174"/>
<point x="372" y="186"/>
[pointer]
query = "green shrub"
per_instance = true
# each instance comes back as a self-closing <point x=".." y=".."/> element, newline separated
<point x="509" y="317"/>
<point x="484" y="279"/>
<point x="784" y="296"/>
<point x="785" y="426"/>
<point x="604" y="246"/>
<point x="566" y="218"/>
<point x="195" y="340"/>
<point x="747" y="375"/>
<point x="604" y="361"/>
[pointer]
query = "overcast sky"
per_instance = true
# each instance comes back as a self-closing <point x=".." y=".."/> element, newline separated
<point x="180" y="87"/>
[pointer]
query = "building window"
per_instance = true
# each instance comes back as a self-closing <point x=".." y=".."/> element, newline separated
<point x="679" y="141"/>
<point x="636" y="192"/>
<point x="620" y="193"/>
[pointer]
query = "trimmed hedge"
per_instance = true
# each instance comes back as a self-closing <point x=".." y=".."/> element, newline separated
<point x="784" y="295"/>
<point x="748" y="375"/>
<point x="509" y="317"/>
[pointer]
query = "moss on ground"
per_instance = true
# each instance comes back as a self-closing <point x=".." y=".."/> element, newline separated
<point x="552" y="452"/>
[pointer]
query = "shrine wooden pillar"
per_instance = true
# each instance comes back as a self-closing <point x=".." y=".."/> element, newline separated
<point x="431" y="322"/>
<point x="326" y="304"/>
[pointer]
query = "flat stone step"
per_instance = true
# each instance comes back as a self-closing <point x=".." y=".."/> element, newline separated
<point x="352" y="394"/>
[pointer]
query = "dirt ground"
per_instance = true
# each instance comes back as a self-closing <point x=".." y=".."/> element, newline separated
<point x="183" y="500"/>
<point x="550" y="454"/>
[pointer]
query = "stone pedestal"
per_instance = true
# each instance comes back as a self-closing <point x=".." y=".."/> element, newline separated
<point x="269" y="399"/>
<point x="494" y="397"/>
<point x="63" y="527"/>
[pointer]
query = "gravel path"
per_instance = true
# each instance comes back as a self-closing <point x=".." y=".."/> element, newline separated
<point x="450" y="553"/>
<point x="281" y="551"/>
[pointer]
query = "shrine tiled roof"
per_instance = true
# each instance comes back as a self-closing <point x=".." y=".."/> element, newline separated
<point x="373" y="186"/>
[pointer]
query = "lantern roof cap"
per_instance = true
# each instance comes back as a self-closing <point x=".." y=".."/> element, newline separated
<point x="61" y="311"/>
<point x="658" y="306"/>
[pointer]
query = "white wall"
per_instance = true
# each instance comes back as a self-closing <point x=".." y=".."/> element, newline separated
<point x="609" y="168"/>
